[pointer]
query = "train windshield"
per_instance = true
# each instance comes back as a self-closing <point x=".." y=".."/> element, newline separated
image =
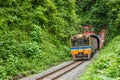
<point x="80" y="42"/>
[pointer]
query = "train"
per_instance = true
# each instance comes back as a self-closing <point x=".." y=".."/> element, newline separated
<point x="84" y="45"/>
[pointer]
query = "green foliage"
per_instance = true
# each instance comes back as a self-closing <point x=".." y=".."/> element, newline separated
<point x="99" y="14"/>
<point x="107" y="66"/>
<point x="34" y="34"/>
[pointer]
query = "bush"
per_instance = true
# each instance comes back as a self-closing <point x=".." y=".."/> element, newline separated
<point x="34" y="34"/>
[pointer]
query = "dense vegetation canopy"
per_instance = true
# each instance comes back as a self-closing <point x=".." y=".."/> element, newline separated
<point x="99" y="14"/>
<point x="34" y="34"/>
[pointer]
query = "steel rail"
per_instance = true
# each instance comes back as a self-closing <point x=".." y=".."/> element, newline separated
<point x="60" y="69"/>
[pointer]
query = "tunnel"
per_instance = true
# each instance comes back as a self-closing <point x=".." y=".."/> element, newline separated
<point x="98" y="39"/>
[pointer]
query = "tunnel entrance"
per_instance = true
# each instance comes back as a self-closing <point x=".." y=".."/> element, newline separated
<point x="98" y="40"/>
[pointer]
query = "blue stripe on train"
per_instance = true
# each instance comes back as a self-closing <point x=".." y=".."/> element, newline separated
<point x="81" y="47"/>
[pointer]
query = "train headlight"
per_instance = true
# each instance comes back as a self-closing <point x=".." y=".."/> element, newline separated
<point x="87" y="51"/>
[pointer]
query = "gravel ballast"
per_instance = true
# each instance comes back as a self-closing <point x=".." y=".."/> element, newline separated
<point x="72" y="75"/>
<point x="77" y="72"/>
<point x="34" y="77"/>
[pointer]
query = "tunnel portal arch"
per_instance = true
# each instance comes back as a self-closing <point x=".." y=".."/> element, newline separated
<point x="98" y="39"/>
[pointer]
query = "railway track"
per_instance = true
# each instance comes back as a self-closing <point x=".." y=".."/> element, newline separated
<point x="55" y="75"/>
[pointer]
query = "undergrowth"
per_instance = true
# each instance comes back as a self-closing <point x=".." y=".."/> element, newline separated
<point x="20" y="57"/>
<point x="34" y="34"/>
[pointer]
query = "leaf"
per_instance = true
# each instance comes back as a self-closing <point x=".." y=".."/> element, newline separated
<point x="105" y="78"/>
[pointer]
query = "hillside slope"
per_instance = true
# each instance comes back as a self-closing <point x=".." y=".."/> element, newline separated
<point x="35" y="34"/>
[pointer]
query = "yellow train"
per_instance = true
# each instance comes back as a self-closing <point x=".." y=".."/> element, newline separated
<point x="83" y="45"/>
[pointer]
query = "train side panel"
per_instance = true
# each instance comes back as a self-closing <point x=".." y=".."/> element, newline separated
<point x="94" y="43"/>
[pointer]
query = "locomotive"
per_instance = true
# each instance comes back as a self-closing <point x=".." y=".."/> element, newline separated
<point x="84" y="45"/>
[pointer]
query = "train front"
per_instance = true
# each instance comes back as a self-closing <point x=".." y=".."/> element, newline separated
<point x="80" y="47"/>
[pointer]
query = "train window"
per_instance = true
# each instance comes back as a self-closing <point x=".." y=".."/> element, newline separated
<point x="86" y="41"/>
<point x="83" y="41"/>
<point x="74" y="42"/>
<point x="80" y="42"/>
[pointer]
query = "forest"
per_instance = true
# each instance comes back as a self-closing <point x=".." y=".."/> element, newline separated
<point x="35" y="34"/>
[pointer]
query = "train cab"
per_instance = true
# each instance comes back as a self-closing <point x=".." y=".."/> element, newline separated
<point x="80" y="47"/>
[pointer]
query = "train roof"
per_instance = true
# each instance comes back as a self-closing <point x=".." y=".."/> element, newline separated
<point x="83" y="35"/>
<point x="78" y="36"/>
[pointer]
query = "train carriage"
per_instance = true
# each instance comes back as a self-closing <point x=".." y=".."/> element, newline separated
<point x="84" y="45"/>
